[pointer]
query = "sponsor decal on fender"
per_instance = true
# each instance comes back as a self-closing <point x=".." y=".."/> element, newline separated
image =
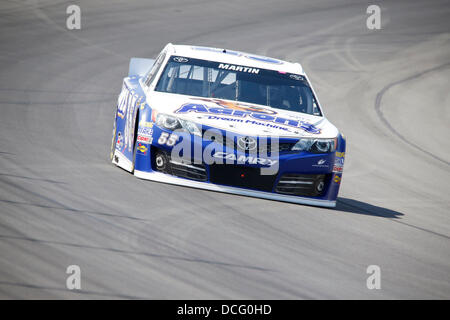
<point x="141" y="148"/>
<point x="338" y="165"/>
<point x="337" y="169"/>
<point x="148" y="132"/>
<point x="339" y="162"/>
<point x="147" y="124"/>
<point x="144" y="139"/>
<point x="119" y="142"/>
<point x="145" y="134"/>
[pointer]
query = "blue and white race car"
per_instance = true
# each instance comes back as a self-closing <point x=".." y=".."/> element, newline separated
<point x="227" y="121"/>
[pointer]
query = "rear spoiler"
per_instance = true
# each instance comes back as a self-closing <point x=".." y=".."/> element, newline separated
<point x="140" y="66"/>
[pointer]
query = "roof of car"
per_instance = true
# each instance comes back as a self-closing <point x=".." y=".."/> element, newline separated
<point x="235" y="57"/>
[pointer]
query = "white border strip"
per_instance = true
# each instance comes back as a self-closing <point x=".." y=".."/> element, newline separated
<point x="161" y="177"/>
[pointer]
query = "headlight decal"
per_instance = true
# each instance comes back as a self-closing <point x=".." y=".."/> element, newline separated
<point x="172" y="123"/>
<point x="315" y="145"/>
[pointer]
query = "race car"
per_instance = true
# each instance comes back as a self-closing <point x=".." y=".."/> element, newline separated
<point x="227" y="121"/>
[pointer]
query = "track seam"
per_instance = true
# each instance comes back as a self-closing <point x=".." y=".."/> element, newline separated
<point x="380" y="114"/>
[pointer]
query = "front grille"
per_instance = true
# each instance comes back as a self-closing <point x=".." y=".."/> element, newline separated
<point x="264" y="144"/>
<point x="283" y="147"/>
<point x="188" y="170"/>
<point x="241" y="176"/>
<point x="179" y="168"/>
<point x="301" y="184"/>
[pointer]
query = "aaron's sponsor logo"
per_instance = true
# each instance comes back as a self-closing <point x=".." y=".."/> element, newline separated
<point x="201" y="108"/>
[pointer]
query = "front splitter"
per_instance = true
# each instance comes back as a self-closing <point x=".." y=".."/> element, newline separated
<point x="161" y="177"/>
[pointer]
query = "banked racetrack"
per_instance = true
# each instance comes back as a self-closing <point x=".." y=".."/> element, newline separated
<point x="63" y="203"/>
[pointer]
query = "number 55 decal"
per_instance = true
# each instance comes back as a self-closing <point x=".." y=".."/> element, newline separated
<point x="167" y="139"/>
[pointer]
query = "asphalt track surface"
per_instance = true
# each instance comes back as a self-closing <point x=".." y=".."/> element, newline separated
<point x="63" y="203"/>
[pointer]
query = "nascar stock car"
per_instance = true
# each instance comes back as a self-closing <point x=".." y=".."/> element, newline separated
<point x="227" y="121"/>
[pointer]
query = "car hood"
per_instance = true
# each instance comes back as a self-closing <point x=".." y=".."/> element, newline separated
<point x="241" y="118"/>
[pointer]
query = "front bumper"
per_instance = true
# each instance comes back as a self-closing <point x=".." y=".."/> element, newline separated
<point x="166" y="178"/>
<point x="304" y="177"/>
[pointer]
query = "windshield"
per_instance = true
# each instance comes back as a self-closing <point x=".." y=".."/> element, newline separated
<point x="211" y="79"/>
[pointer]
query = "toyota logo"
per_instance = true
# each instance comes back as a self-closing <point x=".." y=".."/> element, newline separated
<point x="247" y="143"/>
<point x="180" y="59"/>
<point x="296" y="77"/>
